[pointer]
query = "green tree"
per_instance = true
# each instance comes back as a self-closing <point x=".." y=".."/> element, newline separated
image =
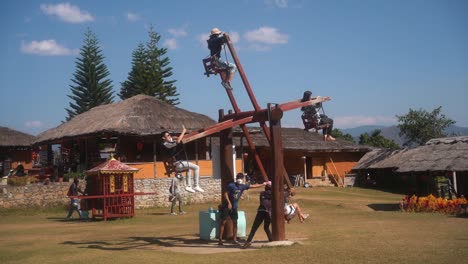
<point x="150" y="73"/>
<point x="375" y="139"/>
<point x="419" y="126"/>
<point x="339" y="134"/>
<point x="90" y="87"/>
<point x="136" y="77"/>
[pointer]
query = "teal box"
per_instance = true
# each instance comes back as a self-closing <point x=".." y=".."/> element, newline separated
<point x="209" y="224"/>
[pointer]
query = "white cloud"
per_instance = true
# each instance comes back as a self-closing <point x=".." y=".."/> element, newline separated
<point x="260" y="47"/>
<point x="177" y="32"/>
<point x="202" y="38"/>
<point x="277" y="3"/>
<point x="171" y="43"/>
<point x="47" y="48"/>
<point x="67" y="12"/>
<point x="235" y="37"/>
<point x="133" y="17"/>
<point x="33" y="124"/>
<point x="355" y="121"/>
<point x="266" y="35"/>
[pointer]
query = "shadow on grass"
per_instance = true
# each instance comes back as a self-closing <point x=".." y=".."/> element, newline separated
<point x="78" y="220"/>
<point x="384" y="207"/>
<point x="157" y="213"/>
<point x="187" y="241"/>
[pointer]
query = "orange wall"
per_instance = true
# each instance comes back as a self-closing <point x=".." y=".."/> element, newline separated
<point x="147" y="169"/>
<point x="23" y="156"/>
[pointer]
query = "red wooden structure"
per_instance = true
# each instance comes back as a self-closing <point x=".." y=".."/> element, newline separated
<point x="110" y="192"/>
<point x="273" y="115"/>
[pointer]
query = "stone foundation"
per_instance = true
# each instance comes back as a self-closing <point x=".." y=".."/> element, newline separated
<point x="55" y="193"/>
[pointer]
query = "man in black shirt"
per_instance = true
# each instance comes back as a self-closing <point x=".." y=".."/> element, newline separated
<point x="174" y="148"/>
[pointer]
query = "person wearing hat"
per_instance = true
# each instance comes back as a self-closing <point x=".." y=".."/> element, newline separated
<point x="215" y="45"/>
<point x="230" y="204"/>
<point x="263" y="215"/>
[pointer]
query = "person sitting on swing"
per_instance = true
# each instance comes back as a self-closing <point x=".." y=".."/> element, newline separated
<point x="215" y="45"/>
<point x="323" y="121"/>
<point x="175" y="149"/>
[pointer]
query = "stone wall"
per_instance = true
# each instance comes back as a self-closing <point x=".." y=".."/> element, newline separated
<point x="55" y="193"/>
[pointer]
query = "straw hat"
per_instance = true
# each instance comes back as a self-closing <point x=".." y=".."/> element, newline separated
<point x="215" y="31"/>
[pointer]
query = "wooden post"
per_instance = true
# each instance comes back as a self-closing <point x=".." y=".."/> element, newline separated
<point x="277" y="220"/>
<point x="226" y="164"/>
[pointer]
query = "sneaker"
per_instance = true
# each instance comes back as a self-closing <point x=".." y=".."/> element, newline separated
<point x="182" y="213"/>
<point x="246" y="245"/>
<point x="173" y="213"/>
<point x="235" y="242"/>
<point x="198" y="189"/>
<point x="306" y="216"/>
<point x="226" y="85"/>
<point x="189" y="189"/>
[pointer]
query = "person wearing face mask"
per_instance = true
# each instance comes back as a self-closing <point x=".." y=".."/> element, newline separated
<point x="230" y="204"/>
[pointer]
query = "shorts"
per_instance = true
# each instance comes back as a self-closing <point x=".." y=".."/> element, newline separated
<point x="289" y="211"/>
<point x="220" y="64"/>
<point x="225" y="212"/>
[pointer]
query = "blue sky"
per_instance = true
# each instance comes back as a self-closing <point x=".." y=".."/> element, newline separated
<point x="375" y="58"/>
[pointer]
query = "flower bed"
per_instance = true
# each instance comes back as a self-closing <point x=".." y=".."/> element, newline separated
<point x="432" y="204"/>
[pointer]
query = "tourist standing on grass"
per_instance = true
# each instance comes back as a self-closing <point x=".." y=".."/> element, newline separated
<point x="263" y="215"/>
<point x="175" y="194"/>
<point x="74" y="201"/>
<point x="230" y="204"/>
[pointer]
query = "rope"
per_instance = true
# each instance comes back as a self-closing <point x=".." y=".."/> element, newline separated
<point x="225" y="54"/>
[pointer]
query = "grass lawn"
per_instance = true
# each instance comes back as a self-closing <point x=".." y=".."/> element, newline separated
<point x="346" y="225"/>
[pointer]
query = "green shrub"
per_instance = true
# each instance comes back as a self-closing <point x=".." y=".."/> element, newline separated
<point x="21" y="181"/>
<point x="72" y="175"/>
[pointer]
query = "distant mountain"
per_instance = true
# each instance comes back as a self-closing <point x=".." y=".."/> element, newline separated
<point x="391" y="132"/>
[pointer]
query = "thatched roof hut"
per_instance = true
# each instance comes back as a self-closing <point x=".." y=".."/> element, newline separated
<point x="13" y="138"/>
<point x="440" y="154"/>
<point x="140" y="115"/>
<point x="299" y="139"/>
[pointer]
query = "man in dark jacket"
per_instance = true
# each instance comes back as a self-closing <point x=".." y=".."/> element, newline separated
<point x="215" y="45"/>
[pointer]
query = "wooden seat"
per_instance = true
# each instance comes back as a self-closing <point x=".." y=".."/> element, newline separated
<point x="170" y="166"/>
<point x="311" y="122"/>
<point x="210" y="66"/>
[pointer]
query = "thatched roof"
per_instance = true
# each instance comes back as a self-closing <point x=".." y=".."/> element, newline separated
<point x="440" y="154"/>
<point x="381" y="159"/>
<point x="13" y="138"/>
<point x="140" y="115"/>
<point x="298" y="139"/>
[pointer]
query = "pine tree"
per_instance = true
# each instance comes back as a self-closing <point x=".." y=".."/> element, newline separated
<point x="90" y="87"/>
<point x="136" y="77"/>
<point x="151" y="78"/>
